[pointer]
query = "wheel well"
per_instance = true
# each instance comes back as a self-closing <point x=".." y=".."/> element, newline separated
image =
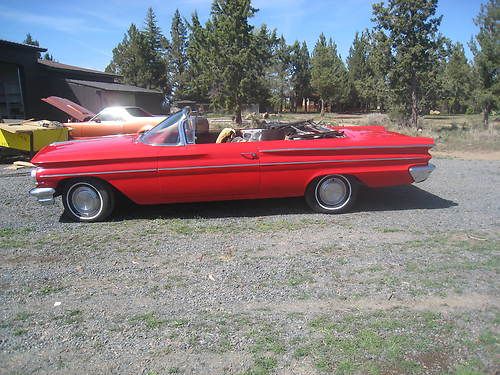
<point x="61" y="186"/>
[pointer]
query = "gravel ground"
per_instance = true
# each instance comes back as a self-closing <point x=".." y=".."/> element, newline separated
<point x="407" y="283"/>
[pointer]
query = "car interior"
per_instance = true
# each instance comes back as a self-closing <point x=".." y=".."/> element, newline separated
<point x="267" y="131"/>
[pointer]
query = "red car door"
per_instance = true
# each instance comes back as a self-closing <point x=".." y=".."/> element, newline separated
<point x="203" y="172"/>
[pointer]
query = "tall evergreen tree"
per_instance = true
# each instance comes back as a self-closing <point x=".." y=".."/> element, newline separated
<point x="233" y="60"/>
<point x="198" y="84"/>
<point x="412" y="31"/>
<point x="379" y="60"/>
<point x="155" y="54"/>
<point x="142" y="58"/>
<point x="33" y="42"/>
<point x="457" y="80"/>
<point x="301" y="73"/>
<point x="178" y="55"/>
<point x="328" y="74"/>
<point x="128" y="59"/>
<point x="359" y="72"/>
<point x="487" y="57"/>
<point x="30" y="41"/>
<point x="279" y="72"/>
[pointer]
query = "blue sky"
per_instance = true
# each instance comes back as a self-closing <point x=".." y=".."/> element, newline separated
<point x="84" y="33"/>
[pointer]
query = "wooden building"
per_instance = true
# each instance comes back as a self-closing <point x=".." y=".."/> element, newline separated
<point x="25" y="80"/>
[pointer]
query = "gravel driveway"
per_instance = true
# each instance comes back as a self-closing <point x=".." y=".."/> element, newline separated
<point x="407" y="283"/>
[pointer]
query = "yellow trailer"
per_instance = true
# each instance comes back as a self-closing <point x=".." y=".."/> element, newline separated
<point x="31" y="136"/>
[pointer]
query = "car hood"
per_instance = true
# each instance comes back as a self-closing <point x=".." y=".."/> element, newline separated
<point x="67" y="106"/>
<point x="86" y="151"/>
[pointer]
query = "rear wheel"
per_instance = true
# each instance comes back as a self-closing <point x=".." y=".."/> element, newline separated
<point x="88" y="200"/>
<point x="332" y="194"/>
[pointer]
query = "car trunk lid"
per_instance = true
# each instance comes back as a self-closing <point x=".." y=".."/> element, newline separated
<point x="76" y="111"/>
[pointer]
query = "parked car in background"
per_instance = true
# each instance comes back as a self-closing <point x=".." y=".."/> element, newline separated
<point x="109" y="121"/>
<point x="180" y="160"/>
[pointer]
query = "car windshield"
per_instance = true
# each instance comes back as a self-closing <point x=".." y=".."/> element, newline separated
<point x="138" y="112"/>
<point x="166" y="132"/>
<point x="110" y="114"/>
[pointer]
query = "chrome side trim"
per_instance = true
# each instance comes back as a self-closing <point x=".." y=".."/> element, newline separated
<point x="345" y="148"/>
<point x="422" y="172"/>
<point x="44" y="196"/>
<point x="232" y="166"/>
<point x="208" y="166"/>
<point x="337" y="161"/>
<point x="97" y="173"/>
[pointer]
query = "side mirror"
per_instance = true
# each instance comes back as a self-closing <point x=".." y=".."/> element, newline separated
<point x="98" y="120"/>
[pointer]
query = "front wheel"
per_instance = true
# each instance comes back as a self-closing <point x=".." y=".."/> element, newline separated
<point x="88" y="200"/>
<point x="332" y="194"/>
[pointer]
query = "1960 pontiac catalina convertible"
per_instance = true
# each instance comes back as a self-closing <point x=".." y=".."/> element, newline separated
<point x="180" y="160"/>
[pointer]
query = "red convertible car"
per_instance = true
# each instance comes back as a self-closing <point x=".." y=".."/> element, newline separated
<point x="180" y="160"/>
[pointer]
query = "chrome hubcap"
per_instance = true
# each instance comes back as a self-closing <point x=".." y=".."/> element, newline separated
<point x="332" y="191"/>
<point x="85" y="201"/>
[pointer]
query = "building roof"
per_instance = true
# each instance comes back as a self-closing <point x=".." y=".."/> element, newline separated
<point x="112" y="86"/>
<point x="21" y="46"/>
<point x="66" y="67"/>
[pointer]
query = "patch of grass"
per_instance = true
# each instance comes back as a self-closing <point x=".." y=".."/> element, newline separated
<point x="263" y="365"/>
<point x="50" y="289"/>
<point x="390" y="230"/>
<point x="178" y="323"/>
<point x="73" y="316"/>
<point x="266" y="340"/>
<point x="150" y="320"/>
<point x="14" y="237"/>
<point x="302" y="351"/>
<point x="371" y="343"/>
<point x="488" y="338"/>
<point x="20" y="331"/>
<point x="22" y="316"/>
<point x="297" y="280"/>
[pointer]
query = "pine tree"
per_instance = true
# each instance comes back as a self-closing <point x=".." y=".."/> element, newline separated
<point x="457" y="80"/>
<point x="360" y="75"/>
<point x="279" y="72"/>
<point x="156" y="46"/>
<point x="379" y="60"/>
<point x="301" y="73"/>
<point x="178" y="55"/>
<point x="128" y="59"/>
<point x="198" y="84"/>
<point x="142" y="58"/>
<point x="487" y="58"/>
<point x="33" y="42"/>
<point x="328" y="74"/>
<point x="233" y="59"/>
<point x="30" y="41"/>
<point x="412" y="31"/>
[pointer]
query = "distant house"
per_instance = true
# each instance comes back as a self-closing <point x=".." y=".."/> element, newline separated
<point x="25" y="79"/>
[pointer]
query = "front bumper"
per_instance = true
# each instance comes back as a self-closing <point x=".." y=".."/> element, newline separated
<point x="422" y="172"/>
<point x="45" y="196"/>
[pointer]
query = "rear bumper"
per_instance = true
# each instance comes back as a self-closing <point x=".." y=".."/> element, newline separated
<point x="422" y="172"/>
<point x="44" y="196"/>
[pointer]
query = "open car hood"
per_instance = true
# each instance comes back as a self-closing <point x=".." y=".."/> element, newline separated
<point x="74" y="110"/>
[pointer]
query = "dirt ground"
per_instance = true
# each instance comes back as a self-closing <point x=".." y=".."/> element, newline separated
<point x="407" y="283"/>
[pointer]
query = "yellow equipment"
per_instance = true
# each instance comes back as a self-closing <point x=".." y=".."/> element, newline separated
<point x="30" y="135"/>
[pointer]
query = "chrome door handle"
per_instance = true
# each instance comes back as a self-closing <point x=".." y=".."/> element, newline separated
<point x="249" y="155"/>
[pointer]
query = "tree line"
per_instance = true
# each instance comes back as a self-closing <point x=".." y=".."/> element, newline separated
<point x="404" y="65"/>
